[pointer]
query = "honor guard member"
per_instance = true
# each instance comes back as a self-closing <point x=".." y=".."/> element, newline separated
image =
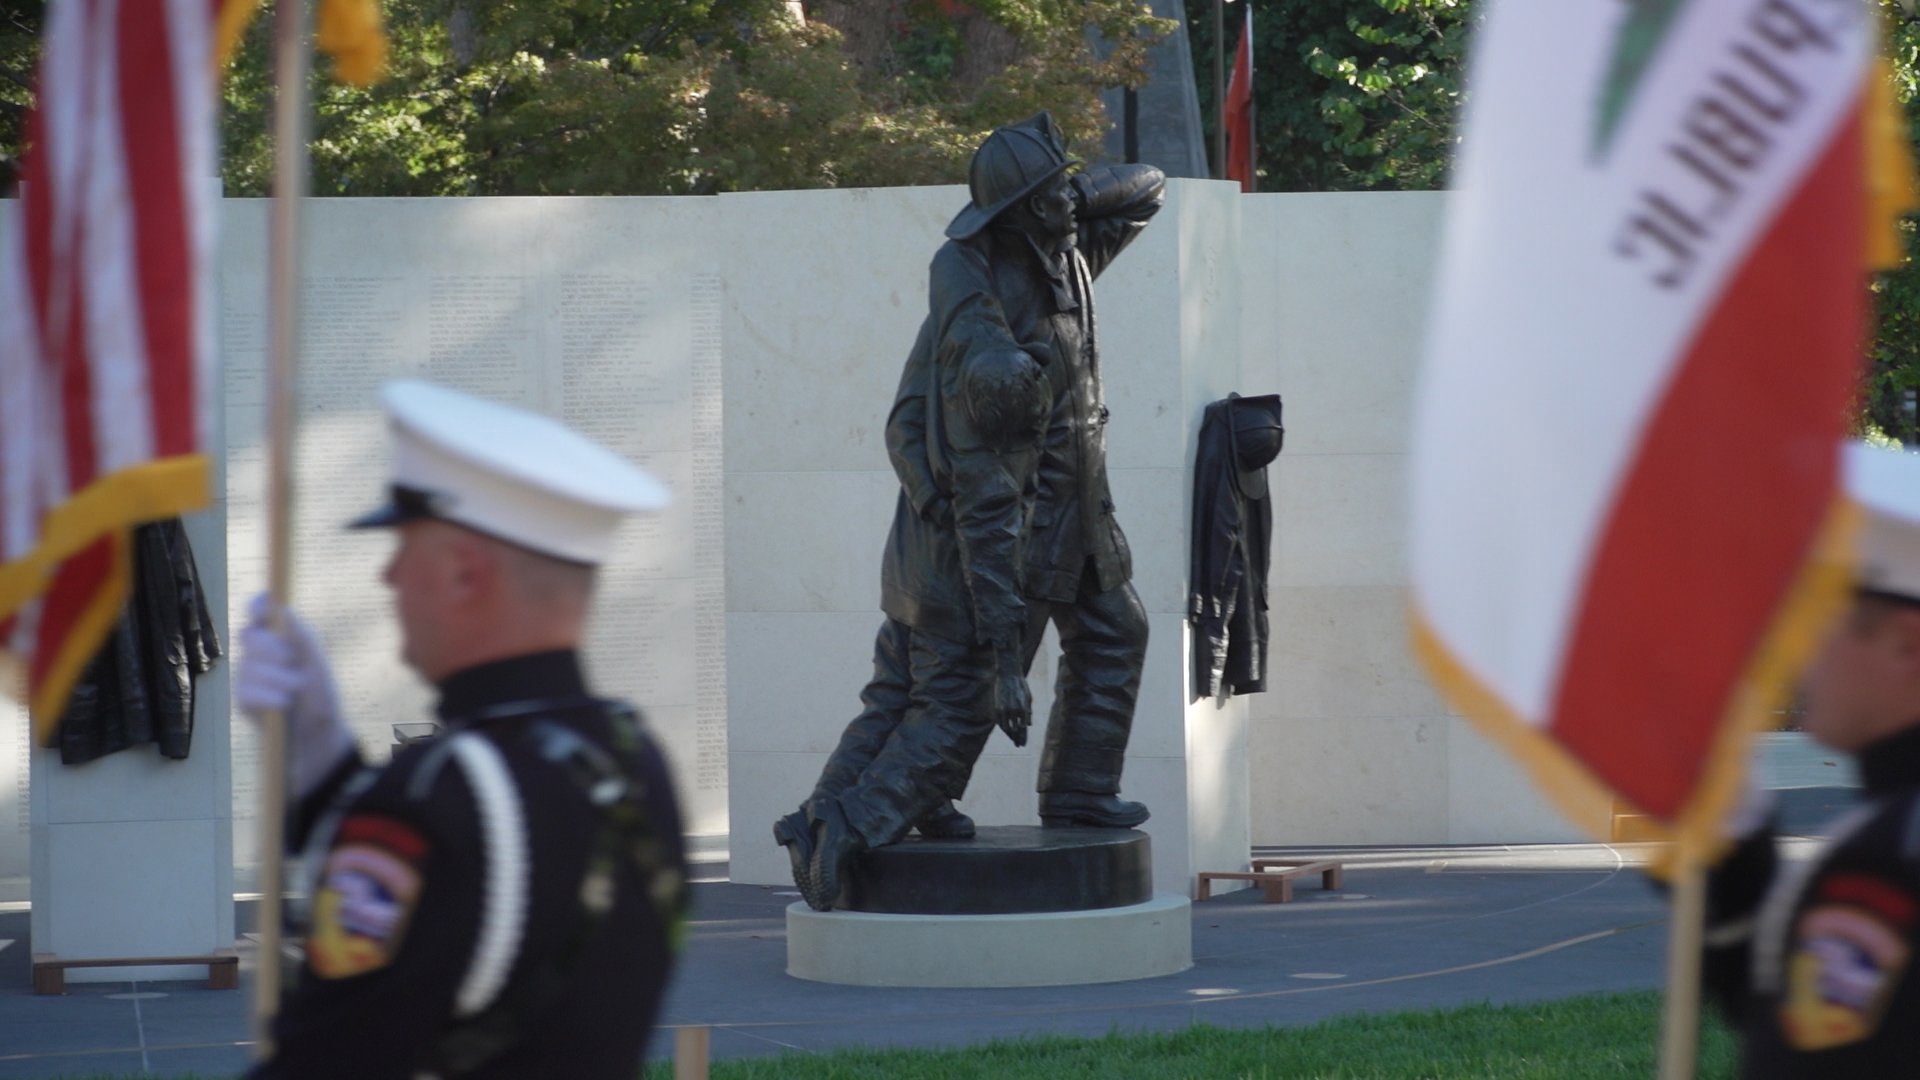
<point x="1813" y="962"/>
<point x="498" y="901"/>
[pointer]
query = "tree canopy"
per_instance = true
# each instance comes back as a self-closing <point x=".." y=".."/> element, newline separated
<point x="1350" y="95"/>
<point x="669" y="97"/>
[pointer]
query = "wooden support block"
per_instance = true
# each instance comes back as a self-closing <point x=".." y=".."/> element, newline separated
<point x="1275" y="878"/>
<point x="50" y="972"/>
<point x="224" y="972"/>
<point x="48" y="976"/>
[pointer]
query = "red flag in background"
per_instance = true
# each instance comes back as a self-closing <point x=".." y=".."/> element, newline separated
<point x="1238" y="111"/>
<point x="106" y="289"/>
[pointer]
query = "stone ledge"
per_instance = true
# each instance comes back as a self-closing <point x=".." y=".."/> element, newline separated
<point x="1054" y="948"/>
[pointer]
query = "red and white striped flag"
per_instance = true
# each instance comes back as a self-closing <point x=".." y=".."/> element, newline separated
<point x="1626" y="521"/>
<point x="106" y="290"/>
<point x="1237" y="115"/>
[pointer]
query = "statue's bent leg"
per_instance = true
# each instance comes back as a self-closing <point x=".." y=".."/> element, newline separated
<point x="1103" y="646"/>
<point x="931" y="753"/>
<point x="885" y="698"/>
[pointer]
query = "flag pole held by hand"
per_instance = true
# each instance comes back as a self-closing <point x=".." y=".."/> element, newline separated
<point x="1680" y="1013"/>
<point x="291" y="62"/>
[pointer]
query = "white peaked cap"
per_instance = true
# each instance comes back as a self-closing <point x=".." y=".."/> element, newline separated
<point x="1886" y="484"/>
<point x="513" y="474"/>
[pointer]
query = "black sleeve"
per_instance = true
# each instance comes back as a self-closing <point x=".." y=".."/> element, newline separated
<point x="1114" y="203"/>
<point x="1736" y="888"/>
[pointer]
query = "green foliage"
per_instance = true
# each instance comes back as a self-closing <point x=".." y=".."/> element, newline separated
<point x="671" y="97"/>
<point x="19" y="51"/>
<point x="1584" y="1038"/>
<point x="1893" y="360"/>
<point x="1350" y="95"/>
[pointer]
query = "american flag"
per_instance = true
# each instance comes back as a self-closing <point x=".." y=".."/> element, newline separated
<point x="106" y="321"/>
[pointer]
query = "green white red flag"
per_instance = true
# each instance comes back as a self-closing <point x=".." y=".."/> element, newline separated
<point x="1627" y="526"/>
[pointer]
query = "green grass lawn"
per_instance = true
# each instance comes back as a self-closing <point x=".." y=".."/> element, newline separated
<point x="1608" y="1035"/>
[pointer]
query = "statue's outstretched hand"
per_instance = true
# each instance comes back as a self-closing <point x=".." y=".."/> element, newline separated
<point x="288" y="672"/>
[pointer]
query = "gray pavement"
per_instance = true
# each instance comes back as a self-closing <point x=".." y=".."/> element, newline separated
<point x="1414" y="928"/>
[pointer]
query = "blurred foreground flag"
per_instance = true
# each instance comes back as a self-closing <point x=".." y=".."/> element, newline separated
<point x="1626" y="525"/>
<point x="106" y="321"/>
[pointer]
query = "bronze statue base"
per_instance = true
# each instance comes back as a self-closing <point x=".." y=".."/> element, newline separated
<point x="1004" y="869"/>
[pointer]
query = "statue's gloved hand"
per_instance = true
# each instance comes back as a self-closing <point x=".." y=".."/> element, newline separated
<point x="1012" y="698"/>
<point x="288" y="672"/>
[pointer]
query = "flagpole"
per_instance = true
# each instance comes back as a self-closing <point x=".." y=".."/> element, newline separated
<point x="1219" y="90"/>
<point x="291" y="61"/>
<point x="1680" y="1016"/>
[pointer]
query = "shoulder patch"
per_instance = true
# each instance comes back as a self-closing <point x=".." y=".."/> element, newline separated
<point x="1849" y="952"/>
<point x="366" y="895"/>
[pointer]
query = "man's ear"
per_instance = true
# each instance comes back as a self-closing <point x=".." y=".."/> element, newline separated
<point x="1902" y="626"/>
<point x="474" y="566"/>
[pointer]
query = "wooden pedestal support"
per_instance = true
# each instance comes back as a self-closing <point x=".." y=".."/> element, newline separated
<point x="1275" y="878"/>
<point x="50" y="972"/>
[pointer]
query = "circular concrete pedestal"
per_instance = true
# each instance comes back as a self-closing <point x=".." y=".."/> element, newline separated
<point x="1051" y="948"/>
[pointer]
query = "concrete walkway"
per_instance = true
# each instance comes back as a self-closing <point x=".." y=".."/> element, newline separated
<point x="1415" y="928"/>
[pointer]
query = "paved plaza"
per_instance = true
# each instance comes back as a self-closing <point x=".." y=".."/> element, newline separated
<point x="1414" y="928"/>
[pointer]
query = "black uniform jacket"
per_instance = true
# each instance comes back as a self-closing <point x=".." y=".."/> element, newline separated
<point x="1814" y="964"/>
<point x="1227" y="579"/>
<point x="996" y="290"/>
<point x="398" y="901"/>
<point x="139" y="687"/>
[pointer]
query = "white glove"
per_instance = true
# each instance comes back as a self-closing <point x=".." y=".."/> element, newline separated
<point x="290" y="674"/>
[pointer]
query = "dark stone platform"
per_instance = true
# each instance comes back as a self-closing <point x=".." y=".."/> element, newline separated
<point x="1006" y="869"/>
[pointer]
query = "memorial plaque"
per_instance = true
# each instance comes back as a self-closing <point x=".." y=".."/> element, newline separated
<point x="604" y="313"/>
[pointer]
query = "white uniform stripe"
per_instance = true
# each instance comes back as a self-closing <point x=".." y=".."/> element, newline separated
<point x="503" y="913"/>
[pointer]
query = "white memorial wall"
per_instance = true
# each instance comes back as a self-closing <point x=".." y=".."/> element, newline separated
<point x="746" y="348"/>
<point x="605" y="313"/>
<point x="1352" y="744"/>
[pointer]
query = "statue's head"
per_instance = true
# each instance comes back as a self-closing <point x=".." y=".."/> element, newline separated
<point x="1007" y="396"/>
<point x="1021" y="168"/>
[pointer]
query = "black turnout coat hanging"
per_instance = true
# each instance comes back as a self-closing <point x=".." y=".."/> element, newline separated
<point x="1232" y="534"/>
<point x="139" y="687"/>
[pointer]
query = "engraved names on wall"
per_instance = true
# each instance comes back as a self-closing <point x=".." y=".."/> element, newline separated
<point x="603" y="313"/>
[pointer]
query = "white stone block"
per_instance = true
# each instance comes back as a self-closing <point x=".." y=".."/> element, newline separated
<point x="1339" y="519"/>
<point x="1054" y="948"/>
<point x="1344" y="652"/>
<point x="807" y="541"/>
<point x="1351" y="780"/>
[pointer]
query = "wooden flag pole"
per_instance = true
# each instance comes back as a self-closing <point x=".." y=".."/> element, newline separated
<point x="291" y="61"/>
<point x="1680" y="1016"/>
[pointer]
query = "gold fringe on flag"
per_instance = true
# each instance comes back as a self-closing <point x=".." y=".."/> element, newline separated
<point x="1889" y="169"/>
<point x="231" y="23"/>
<point x="351" y="32"/>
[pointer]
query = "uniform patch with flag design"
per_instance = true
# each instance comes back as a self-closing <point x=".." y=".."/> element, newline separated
<point x="1849" y="952"/>
<point x="367" y="893"/>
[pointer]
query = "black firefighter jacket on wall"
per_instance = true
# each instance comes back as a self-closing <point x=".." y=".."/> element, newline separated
<point x="1231" y="546"/>
<point x="139" y="687"/>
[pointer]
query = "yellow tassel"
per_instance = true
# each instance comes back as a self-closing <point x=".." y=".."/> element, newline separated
<point x="232" y="22"/>
<point x="350" y="31"/>
<point x="1889" y="169"/>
